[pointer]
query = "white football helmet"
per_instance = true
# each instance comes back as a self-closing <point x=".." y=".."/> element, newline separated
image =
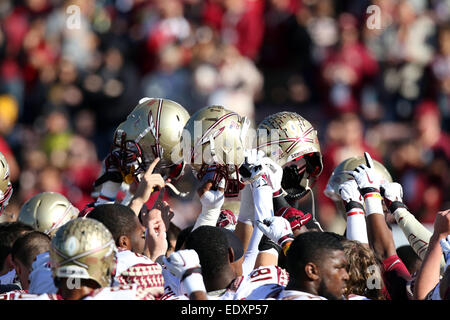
<point x="6" y="189"/>
<point x="291" y="141"/>
<point x="213" y="144"/>
<point x="153" y="129"/>
<point x="340" y="175"/>
<point x="47" y="211"/>
<point x="84" y="249"/>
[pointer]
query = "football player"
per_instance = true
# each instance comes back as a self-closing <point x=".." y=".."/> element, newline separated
<point x="24" y="252"/>
<point x="392" y="192"/>
<point x="45" y="212"/>
<point x="288" y="153"/>
<point x="151" y="131"/>
<point x="83" y="262"/>
<point x="214" y="253"/>
<point x="213" y="143"/>
<point x="129" y="235"/>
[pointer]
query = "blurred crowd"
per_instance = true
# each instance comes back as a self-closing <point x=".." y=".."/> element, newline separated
<point x="386" y="90"/>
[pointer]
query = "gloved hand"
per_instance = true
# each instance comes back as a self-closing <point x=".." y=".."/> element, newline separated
<point x="108" y="183"/>
<point x="369" y="181"/>
<point x="212" y="201"/>
<point x="227" y="219"/>
<point x="277" y="229"/>
<point x="392" y="193"/>
<point x="366" y="177"/>
<point x="252" y="167"/>
<point x="109" y="171"/>
<point x="185" y="265"/>
<point x="295" y="217"/>
<point x="274" y="173"/>
<point x="351" y="196"/>
<point x="353" y="202"/>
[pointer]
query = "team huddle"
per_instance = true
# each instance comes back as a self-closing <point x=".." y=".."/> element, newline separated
<point x="251" y="240"/>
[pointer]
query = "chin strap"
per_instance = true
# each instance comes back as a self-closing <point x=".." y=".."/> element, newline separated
<point x="313" y="209"/>
<point x="176" y="191"/>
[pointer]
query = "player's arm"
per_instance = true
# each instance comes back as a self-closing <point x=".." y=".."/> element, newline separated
<point x="428" y="275"/>
<point x="149" y="182"/>
<point x="379" y="235"/>
<point x="212" y="201"/>
<point x="185" y="265"/>
<point x="356" y="220"/>
<point x="277" y="238"/>
<point x="418" y="236"/>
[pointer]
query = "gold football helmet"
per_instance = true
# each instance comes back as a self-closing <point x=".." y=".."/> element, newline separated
<point x="5" y="184"/>
<point x="47" y="211"/>
<point x="213" y="143"/>
<point x="291" y="141"/>
<point x="339" y="175"/>
<point x="84" y="249"/>
<point x="153" y="129"/>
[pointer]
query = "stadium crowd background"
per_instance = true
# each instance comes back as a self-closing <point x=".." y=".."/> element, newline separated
<point x="386" y="91"/>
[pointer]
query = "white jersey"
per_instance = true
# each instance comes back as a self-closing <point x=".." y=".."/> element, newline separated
<point x="41" y="277"/>
<point x="240" y="289"/>
<point x="122" y="292"/>
<point x="298" y="295"/>
<point x="23" y="295"/>
<point x="136" y="268"/>
<point x="283" y="294"/>
<point x="10" y="295"/>
<point x="8" y="278"/>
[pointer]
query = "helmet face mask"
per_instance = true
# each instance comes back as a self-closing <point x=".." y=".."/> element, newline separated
<point x="152" y="130"/>
<point x="291" y="141"/>
<point x="84" y="249"/>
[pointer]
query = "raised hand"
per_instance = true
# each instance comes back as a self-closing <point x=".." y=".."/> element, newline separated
<point x="350" y="195"/>
<point x="366" y="177"/>
<point x="392" y="193"/>
<point x="185" y="265"/>
<point x="277" y="229"/>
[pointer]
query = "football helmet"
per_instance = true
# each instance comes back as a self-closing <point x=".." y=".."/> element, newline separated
<point x="213" y="143"/>
<point x="84" y="249"/>
<point x="47" y="211"/>
<point x="6" y="189"/>
<point x="291" y="141"/>
<point x="340" y="175"/>
<point x="153" y="129"/>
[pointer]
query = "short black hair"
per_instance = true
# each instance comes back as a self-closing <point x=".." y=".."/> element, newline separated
<point x="181" y="238"/>
<point x="309" y="247"/>
<point x="9" y="232"/>
<point x="119" y="219"/>
<point x="211" y="245"/>
<point x="409" y="257"/>
<point x="29" y="245"/>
